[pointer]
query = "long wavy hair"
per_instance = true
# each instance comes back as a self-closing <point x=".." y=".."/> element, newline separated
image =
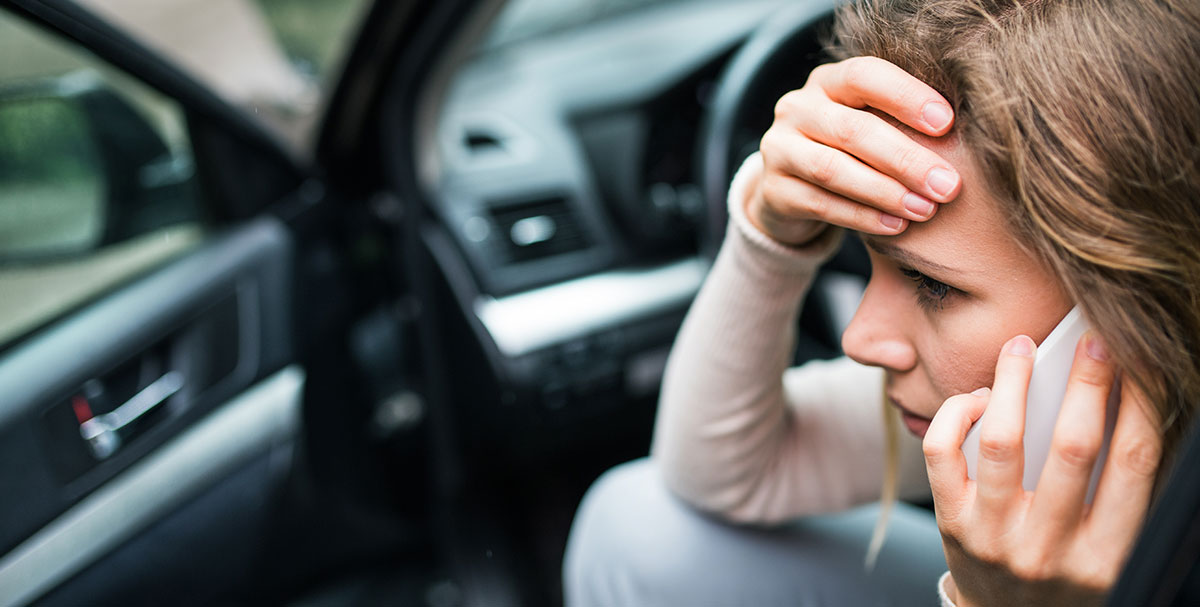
<point x="1085" y="117"/>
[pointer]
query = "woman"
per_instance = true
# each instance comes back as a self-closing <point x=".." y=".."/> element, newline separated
<point x="1003" y="161"/>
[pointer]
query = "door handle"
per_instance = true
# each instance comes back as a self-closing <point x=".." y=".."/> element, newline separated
<point x="102" y="431"/>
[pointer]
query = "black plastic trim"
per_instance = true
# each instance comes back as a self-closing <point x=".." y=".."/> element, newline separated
<point x="347" y="123"/>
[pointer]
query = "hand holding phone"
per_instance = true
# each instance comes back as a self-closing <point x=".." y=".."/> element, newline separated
<point x="1040" y="523"/>
<point x="1047" y="386"/>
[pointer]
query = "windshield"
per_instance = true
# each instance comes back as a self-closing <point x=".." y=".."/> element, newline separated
<point x="276" y="59"/>
<point x="525" y="19"/>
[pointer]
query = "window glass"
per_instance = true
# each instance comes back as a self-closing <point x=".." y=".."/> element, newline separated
<point x="96" y="179"/>
<point x="523" y="19"/>
<point x="314" y="34"/>
<point x="50" y="177"/>
<point x="277" y="59"/>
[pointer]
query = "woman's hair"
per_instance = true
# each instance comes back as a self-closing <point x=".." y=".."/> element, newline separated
<point x="1085" y="118"/>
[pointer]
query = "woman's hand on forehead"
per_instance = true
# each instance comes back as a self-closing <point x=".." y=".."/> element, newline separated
<point x="830" y="159"/>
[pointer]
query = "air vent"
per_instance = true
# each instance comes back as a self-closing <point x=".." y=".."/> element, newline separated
<point x="536" y="229"/>
<point x="479" y="141"/>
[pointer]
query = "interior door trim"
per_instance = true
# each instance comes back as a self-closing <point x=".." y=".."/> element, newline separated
<point x="265" y="414"/>
<point x="49" y="366"/>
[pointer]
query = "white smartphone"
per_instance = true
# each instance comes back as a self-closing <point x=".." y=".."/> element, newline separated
<point x="1047" y="387"/>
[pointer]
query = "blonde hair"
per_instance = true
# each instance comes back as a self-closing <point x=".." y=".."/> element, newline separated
<point x="1085" y="116"/>
<point x="891" y="480"/>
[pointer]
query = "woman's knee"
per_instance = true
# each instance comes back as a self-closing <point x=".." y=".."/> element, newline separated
<point x="616" y="552"/>
<point x="633" y="543"/>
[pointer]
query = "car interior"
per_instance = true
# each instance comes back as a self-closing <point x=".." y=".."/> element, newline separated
<point x="361" y="327"/>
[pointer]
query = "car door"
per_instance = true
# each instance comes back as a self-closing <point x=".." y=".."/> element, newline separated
<point x="150" y="390"/>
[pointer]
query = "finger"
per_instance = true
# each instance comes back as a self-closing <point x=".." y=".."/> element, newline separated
<point x="1127" y="480"/>
<point x="842" y="174"/>
<point x="1058" y="504"/>
<point x="943" y="441"/>
<point x="870" y="81"/>
<point x="788" y="199"/>
<point x="1001" y="449"/>
<point x="883" y="146"/>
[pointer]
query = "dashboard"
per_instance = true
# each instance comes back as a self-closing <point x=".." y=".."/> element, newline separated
<point x="567" y="199"/>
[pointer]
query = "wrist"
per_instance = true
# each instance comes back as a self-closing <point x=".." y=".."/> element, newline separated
<point x="796" y="233"/>
<point x="744" y="235"/>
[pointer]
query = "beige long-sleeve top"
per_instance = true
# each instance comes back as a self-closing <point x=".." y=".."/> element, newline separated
<point x="742" y="435"/>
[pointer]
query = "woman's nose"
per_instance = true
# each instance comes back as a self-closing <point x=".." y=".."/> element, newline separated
<point x="876" y="334"/>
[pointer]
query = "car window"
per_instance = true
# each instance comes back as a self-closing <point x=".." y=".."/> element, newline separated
<point x="96" y="179"/>
<point x="277" y="59"/>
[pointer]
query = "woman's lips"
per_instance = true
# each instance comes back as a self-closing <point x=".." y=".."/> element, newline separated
<point x="915" y="423"/>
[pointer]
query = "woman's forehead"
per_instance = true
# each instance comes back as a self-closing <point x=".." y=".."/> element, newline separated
<point x="971" y="232"/>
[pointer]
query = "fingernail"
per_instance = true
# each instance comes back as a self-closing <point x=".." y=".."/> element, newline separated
<point x="937" y="115"/>
<point x="984" y="391"/>
<point x="917" y="205"/>
<point x="941" y="181"/>
<point x="1021" y="345"/>
<point x="1096" y="348"/>
<point x="891" y="221"/>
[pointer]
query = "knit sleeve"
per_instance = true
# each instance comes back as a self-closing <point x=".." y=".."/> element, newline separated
<point x="943" y="597"/>
<point x="740" y="434"/>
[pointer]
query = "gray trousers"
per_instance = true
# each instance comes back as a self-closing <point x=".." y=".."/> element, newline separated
<point x="633" y="544"/>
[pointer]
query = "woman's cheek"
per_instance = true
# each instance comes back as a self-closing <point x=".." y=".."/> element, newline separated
<point x="957" y="368"/>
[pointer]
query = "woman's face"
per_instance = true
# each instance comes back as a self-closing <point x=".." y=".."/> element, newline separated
<point x="945" y="295"/>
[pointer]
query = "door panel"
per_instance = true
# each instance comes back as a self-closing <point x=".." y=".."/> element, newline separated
<point x="199" y="349"/>
<point x="205" y="552"/>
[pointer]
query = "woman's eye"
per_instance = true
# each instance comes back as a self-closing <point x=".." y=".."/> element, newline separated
<point x="931" y="293"/>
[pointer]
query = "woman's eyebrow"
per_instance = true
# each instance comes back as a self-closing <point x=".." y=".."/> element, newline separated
<point x="905" y="256"/>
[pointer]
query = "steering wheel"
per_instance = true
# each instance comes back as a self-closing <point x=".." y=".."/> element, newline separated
<point x="775" y="59"/>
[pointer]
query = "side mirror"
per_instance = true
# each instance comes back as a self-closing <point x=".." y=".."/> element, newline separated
<point x="81" y="168"/>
